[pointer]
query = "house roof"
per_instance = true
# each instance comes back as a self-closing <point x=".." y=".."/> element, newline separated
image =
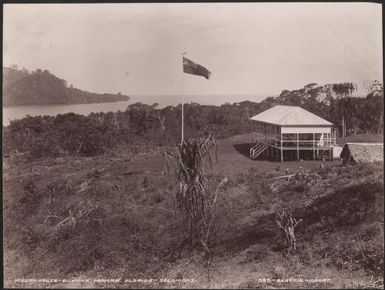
<point x="364" y="152"/>
<point x="290" y="116"/>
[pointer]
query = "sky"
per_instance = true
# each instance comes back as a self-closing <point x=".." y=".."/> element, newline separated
<point x="250" y="48"/>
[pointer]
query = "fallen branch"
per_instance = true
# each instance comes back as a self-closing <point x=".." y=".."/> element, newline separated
<point x="284" y="176"/>
<point x="50" y="216"/>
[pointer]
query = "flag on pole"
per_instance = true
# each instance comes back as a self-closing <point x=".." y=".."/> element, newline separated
<point x="190" y="67"/>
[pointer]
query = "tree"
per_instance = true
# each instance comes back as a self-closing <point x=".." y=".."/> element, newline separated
<point x="376" y="88"/>
<point x="161" y="118"/>
<point x="344" y="92"/>
<point x="141" y="116"/>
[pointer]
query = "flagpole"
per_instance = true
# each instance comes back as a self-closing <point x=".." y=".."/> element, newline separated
<point x="182" y="101"/>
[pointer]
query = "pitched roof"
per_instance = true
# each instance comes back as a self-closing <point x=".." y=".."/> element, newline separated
<point x="290" y="115"/>
<point x="364" y="152"/>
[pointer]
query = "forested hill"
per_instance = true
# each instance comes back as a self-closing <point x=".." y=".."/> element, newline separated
<point x="40" y="87"/>
<point x="329" y="101"/>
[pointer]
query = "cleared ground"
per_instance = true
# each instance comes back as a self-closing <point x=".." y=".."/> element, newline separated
<point x="133" y="233"/>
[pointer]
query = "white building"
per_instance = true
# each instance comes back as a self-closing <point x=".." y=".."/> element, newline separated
<point x="290" y="132"/>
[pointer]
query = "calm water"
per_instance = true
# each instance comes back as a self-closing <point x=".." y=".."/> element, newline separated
<point x="13" y="113"/>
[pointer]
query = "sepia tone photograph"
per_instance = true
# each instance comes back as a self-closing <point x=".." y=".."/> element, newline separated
<point x="193" y="145"/>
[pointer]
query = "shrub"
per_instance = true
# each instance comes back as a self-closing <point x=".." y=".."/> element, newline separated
<point x="195" y="200"/>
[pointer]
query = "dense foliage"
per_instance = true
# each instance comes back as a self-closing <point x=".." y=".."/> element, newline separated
<point x="332" y="101"/>
<point x="145" y="127"/>
<point x="41" y="87"/>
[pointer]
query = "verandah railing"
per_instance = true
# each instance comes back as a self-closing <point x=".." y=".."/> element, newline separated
<point x="319" y="142"/>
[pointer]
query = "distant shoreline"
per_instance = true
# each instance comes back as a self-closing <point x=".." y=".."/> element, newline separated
<point x="62" y="104"/>
<point x="151" y="99"/>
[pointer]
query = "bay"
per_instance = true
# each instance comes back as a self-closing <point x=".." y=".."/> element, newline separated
<point x="19" y="112"/>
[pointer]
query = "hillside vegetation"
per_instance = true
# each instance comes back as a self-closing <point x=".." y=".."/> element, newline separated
<point x="142" y="128"/>
<point x="41" y="87"/>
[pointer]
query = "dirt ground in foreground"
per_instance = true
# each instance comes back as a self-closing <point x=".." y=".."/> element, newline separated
<point x="128" y="183"/>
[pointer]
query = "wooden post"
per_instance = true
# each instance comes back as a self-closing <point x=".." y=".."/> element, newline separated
<point x="314" y="146"/>
<point x="276" y="154"/>
<point x="297" y="146"/>
<point x="343" y="128"/>
<point x="281" y="149"/>
<point x="264" y="130"/>
<point x="182" y="139"/>
<point x="330" y="145"/>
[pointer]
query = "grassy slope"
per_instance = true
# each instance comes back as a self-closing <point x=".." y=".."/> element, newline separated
<point x="135" y="207"/>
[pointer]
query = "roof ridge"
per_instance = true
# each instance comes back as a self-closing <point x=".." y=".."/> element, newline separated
<point x="285" y="116"/>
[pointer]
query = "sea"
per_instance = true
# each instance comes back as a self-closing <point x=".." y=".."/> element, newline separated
<point x="19" y="112"/>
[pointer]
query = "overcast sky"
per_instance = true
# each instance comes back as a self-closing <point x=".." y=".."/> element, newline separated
<point x="250" y="48"/>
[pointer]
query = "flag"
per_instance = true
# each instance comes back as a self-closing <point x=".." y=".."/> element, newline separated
<point x="190" y="67"/>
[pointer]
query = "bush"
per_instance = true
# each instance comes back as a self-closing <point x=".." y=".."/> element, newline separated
<point x="259" y="186"/>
